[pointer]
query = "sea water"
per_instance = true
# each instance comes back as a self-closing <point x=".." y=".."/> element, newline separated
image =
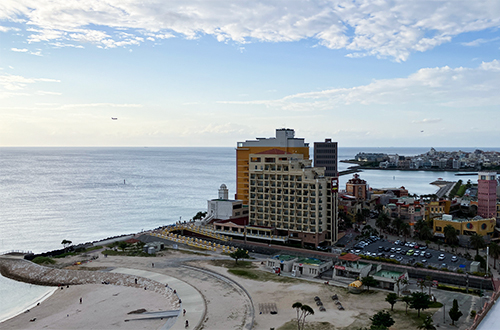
<point x="48" y="195"/>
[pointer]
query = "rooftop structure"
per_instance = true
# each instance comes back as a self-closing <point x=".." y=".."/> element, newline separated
<point x="285" y="141"/>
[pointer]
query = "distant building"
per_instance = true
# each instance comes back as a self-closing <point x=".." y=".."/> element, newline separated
<point x="357" y="187"/>
<point x="477" y="225"/>
<point x="487" y="194"/>
<point x="285" y="141"/>
<point x="223" y="208"/>
<point x="325" y="155"/>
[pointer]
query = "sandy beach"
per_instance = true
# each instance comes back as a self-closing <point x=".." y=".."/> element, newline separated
<point x="102" y="307"/>
<point x="231" y="302"/>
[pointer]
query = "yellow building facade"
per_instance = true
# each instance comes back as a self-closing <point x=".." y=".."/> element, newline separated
<point x="481" y="227"/>
<point x="284" y="141"/>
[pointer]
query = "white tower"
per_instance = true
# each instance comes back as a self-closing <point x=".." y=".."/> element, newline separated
<point x="223" y="192"/>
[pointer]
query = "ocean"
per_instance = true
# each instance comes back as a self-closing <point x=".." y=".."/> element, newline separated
<point x="85" y="194"/>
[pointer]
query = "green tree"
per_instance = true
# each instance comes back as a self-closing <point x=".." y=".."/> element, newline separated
<point x="407" y="300"/>
<point x="427" y="324"/>
<point x="239" y="254"/>
<point x="419" y="301"/>
<point x="405" y="230"/>
<point x="302" y="312"/>
<point x="477" y="242"/>
<point x="383" y="221"/>
<point x="66" y="243"/>
<point x="450" y="235"/>
<point x="422" y="284"/>
<point x="481" y="260"/>
<point x="494" y="252"/>
<point x="369" y="281"/>
<point x="397" y="223"/>
<point x="454" y="312"/>
<point x="122" y="245"/>
<point x="391" y="298"/>
<point x="401" y="281"/>
<point x="359" y="218"/>
<point x="368" y="231"/>
<point x="382" y="320"/>
<point x="200" y="215"/>
<point x="423" y="231"/>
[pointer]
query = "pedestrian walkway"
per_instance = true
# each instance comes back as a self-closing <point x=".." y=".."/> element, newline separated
<point x="191" y="299"/>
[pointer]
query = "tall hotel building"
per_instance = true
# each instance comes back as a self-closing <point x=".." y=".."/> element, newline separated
<point x="487" y="194"/>
<point x="285" y="140"/>
<point x="287" y="195"/>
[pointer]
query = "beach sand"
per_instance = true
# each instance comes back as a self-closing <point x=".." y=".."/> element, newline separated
<point x="228" y="306"/>
<point x="102" y="307"/>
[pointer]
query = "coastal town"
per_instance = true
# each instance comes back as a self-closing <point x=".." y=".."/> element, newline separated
<point x="293" y="241"/>
<point x="432" y="160"/>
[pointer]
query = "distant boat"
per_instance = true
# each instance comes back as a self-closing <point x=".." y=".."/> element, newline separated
<point x="114" y="118"/>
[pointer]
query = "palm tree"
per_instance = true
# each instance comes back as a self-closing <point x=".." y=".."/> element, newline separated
<point x="494" y="252"/>
<point x="399" y="281"/>
<point x="397" y="223"/>
<point x="405" y="229"/>
<point x="382" y="221"/>
<point x="477" y="242"/>
<point x="450" y="235"/>
<point x="428" y="324"/>
<point x="407" y="300"/>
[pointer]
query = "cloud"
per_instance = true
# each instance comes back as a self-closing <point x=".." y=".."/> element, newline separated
<point x="478" y="42"/>
<point x="23" y="50"/>
<point x="385" y="28"/>
<point x="427" y="121"/>
<point x="12" y="85"/>
<point x="442" y="86"/>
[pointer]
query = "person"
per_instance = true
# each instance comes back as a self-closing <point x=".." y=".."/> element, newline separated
<point x="153" y="265"/>
<point x="187" y="323"/>
<point x="183" y="312"/>
<point x="135" y="281"/>
<point x="80" y="300"/>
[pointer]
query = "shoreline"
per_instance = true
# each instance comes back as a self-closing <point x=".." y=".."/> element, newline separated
<point x="22" y="309"/>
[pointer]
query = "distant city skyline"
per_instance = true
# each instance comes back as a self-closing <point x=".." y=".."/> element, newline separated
<point x="397" y="73"/>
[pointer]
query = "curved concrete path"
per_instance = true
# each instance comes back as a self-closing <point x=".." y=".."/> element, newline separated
<point x="192" y="300"/>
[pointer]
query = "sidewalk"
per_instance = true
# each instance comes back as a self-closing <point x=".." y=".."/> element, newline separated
<point x="192" y="300"/>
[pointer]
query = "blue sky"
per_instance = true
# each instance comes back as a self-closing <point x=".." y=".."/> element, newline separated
<point x="211" y="73"/>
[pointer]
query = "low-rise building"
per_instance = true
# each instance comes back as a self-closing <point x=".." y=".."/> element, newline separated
<point x="476" y="225"/>
<point x="310" y="267"/>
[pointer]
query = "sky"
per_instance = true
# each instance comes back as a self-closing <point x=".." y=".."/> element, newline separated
<point x="401" y="73"/>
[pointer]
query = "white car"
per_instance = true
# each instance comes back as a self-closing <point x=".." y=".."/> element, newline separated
<point x="454" y="259"/>
<point x="441" y="257"/>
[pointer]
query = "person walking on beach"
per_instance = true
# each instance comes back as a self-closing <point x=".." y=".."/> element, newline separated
<point x="153" y="265"/>
<point x="187" y="324"/>
<point x="183" y="312"/>
<point x="80" y="300"/>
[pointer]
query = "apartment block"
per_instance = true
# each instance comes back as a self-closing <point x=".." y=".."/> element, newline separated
<point x="291" y="197"/>
<point x="487" y="194"/>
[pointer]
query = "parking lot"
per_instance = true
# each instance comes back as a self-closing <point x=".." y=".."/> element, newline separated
<point x="408" y="253"/>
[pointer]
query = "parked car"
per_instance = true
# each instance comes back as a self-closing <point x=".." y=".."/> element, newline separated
<point x="416" y="253"/>
<point x="428" y="255"/>
<point x="454" y="259"/>
<point x="441" y="257"/>
<point x="410" y="252"/>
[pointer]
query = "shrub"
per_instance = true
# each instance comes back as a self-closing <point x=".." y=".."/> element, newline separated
<point x="44" y="260"/>
<point x="473" y="314"/>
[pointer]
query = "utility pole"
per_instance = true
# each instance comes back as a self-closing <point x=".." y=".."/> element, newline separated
<point x="444" y="313"/>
